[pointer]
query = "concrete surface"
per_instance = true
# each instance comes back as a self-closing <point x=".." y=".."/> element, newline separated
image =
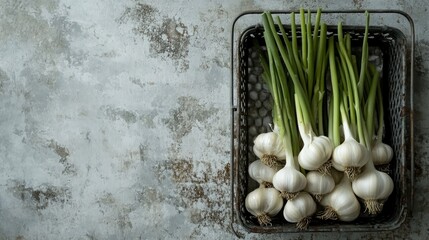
<point x="115" y="119"/>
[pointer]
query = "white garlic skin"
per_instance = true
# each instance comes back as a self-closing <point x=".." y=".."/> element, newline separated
<point x="381" y="153"/>
<point x="372" y="184"/>
<point x="261" y="172"/>
<point x="319" y="183"/>
<point x="300" y="207"/>
<point x="269" y="143"/>
<point x="288" y="179"/>
<point x="264" y="201"/>
<point x="350" y="153"/>
<point x="343" y="201"/>
<point x="315" y="153"/>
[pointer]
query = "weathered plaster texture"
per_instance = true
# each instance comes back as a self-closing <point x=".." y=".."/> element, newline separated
<point x="114" y="120"/>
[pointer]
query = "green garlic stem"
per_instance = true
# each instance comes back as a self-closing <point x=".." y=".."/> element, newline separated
<point x="364" y="59"/>
<point x="335" y="95"/>
<point x="371" y="103"/>
<point x="303" y="39"/>
<point x="359" y="118"/>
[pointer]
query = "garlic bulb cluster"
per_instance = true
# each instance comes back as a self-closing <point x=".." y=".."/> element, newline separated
<point x="317" y="93"/>
<point x="299" y="210"/>
<point x="262" y="173"/>
<point x="341" y="203"/>
<point x="270" y="148"/>
<point x="381" y="153"/>
<point x="288" y="180"/>
<point x="264" y="203"/>
<point x="319" y="184"/>
<point x="374" y="187"/>
<point x="349" y="157"/>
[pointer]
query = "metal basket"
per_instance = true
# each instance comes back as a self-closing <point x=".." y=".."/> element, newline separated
<point x="391" y="48"/>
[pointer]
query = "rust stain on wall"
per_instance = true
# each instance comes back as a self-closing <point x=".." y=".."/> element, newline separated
<point x="39" y="197"/>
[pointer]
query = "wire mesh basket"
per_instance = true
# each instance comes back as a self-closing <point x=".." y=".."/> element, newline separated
<point x="391" y="49"/>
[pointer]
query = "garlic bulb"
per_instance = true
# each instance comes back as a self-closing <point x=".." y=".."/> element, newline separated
<point x="374" y="187"/>
<point x="381" y="153"/>
<point x="288" y="180"/>
<point x="319" y="184"/>
<point x="349" y="157"/>
<point x="270" y="148"/>
<point x="264" y="203"/>
<point x="316" y="151"/>
<point x="262" y="173"/>
<point x="341" y="203"/>
<point x="299" y="210"/>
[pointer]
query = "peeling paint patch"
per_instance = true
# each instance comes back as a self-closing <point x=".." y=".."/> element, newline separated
<point x="39" y="197"/>
<point x="128" y="116"/>
<point x="148" y="119"/>
<point x="149" y="195"/>
<point x="213" y="29"/>
<point x="63" y="153"/>
<point x="119" y="114"/>
<point x="197" y="184"/>
<point x="39" y="24"/>
<point x="168" y="37"/>
<point x="189" y="113"/>
<point x="142" y="149"/>
<point x="185" y="171"/>
<point x="107" y="199"/>
<point x="118" y="213"/>
<point x="140" y="83"/>
<point x="4" y="79"/>
<point x="358" y="3"/>
<point x="171" y="38"/>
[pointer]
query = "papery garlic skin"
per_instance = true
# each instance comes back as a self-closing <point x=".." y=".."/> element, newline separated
<point x="341" y="203"/>
<point x="300" y="209"/>
<point x="289" y="181"/>
<point x="349" y="157"/>
<point x="264" y="203"/>
<point x="261" y="172"/>
<point x="315" y="152"/>
<point x="270" y="148"/>
<point x="381" y="153"/>
<point x="374" y="187"/>
<point x="319" y="184"/>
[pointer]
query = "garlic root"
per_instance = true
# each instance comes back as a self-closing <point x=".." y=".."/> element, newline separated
<point x="270" y="160"/>
<point x="328" y="213"/>
<point x="303" y="224"/>
<point x="325" y="169"/>
<point x="267" y="184"/>
<point x="288" y="196"/>
<point x="352" y="172"/>
<point x="373" y="206"/>
<point x="264" y="220"/>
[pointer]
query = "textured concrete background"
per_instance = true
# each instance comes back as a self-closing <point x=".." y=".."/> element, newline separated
<point x="115" y="119"/>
